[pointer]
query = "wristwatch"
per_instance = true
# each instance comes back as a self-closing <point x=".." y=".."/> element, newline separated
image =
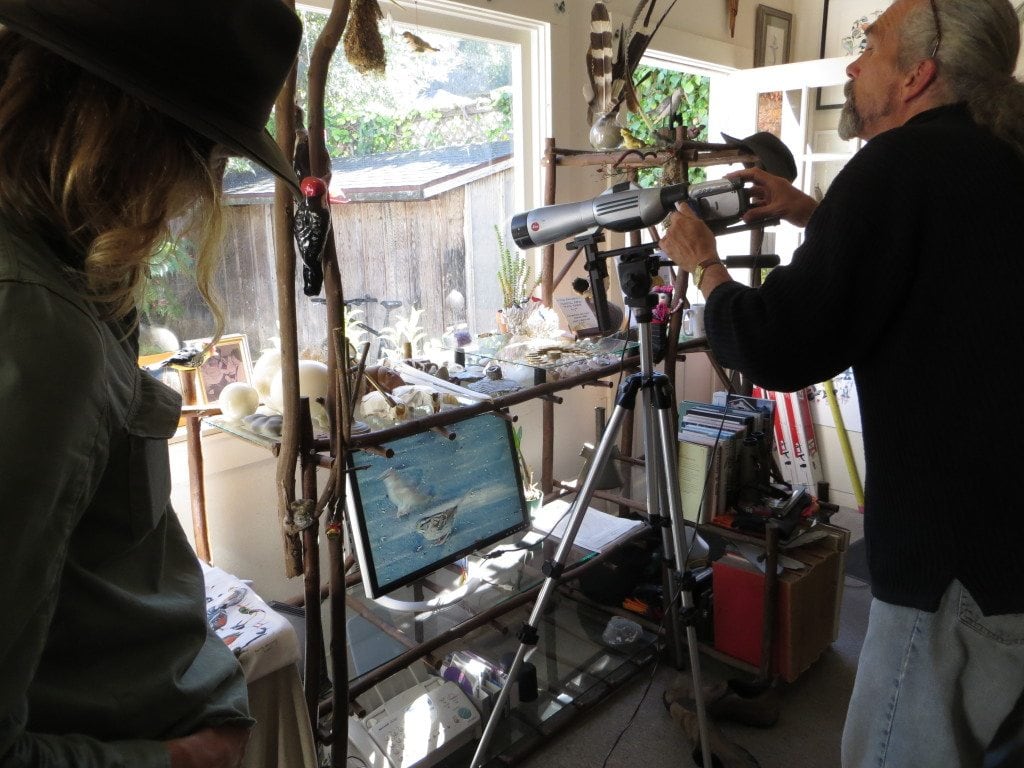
<point x="698" y="271"/>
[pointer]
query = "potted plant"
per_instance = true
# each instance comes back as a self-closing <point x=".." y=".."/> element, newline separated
<point x="517" y="285"/>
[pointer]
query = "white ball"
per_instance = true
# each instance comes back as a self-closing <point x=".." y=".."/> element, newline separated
<point x="313" y="383"/>
<point x="238" y="400"/>
<point x="264" y="370"/>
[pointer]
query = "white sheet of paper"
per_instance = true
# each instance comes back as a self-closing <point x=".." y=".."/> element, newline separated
<point x="577" y="313"/>
<point x="597" y="531"/>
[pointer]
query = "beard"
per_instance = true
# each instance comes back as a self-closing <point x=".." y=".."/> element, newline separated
<point x="851" y="124"/>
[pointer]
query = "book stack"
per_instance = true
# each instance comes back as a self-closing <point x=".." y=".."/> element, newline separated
<point x="715" y="439"/>
<point x="795" y="442"/>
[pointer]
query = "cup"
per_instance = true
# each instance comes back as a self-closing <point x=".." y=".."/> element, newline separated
<point x="693" y="320"/>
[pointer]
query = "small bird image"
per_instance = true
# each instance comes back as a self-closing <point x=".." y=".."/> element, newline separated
<point x="418" y="44"/>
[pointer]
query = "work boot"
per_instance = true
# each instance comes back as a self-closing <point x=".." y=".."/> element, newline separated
<point x="733" y="700"/>
<point x="724" y="753"/>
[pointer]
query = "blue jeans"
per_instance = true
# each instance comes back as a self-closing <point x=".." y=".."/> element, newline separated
<point x="933" y="689"/>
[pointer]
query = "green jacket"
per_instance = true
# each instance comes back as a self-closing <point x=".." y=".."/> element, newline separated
<point x="104" y="648"/>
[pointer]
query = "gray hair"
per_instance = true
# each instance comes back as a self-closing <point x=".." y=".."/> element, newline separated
<point x="976" y="58"/>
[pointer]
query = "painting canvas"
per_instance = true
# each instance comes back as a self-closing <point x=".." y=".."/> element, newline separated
<point x="842" y="34"/>
<point x="434" y="501"/>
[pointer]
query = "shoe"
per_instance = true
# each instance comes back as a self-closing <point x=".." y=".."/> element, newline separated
<point x="724" y="753"/>
<point x="733" y="700"/>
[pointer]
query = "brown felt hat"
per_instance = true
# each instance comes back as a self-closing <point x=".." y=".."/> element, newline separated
<point x="775" y="156"/>
<point x="215" y="65"/>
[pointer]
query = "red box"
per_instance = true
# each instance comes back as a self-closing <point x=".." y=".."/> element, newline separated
<point x="805" y="618"/>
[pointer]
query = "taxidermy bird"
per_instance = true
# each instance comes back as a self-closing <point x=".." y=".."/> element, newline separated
<point x="613" y="57"/>
<point x="184" y="359"/>
<point x="418" y="44"/>
<point x="312" y="225"/>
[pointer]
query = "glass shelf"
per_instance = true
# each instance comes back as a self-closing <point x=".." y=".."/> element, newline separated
<point x="536" y="361"/>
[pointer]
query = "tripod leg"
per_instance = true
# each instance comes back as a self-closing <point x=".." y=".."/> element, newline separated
<point x="528" y="634"/>
<point x="686" y="543"/>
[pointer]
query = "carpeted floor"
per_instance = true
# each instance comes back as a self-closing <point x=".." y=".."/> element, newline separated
<point x="633" y="728"/>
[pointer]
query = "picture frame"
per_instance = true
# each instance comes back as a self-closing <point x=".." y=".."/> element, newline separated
<point x="772" y="33"/>
<point x="842" y="34"/>
<point x="229" y="361"/>
<point x="434" y="501"/>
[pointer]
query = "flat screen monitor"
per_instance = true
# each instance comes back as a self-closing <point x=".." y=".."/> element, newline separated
<point x="435" y="501"/>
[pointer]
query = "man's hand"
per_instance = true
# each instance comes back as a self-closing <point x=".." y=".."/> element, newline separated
<point x="221" y="747"/>
<point x="687" y="241"/>
<point x="773" y="197"/>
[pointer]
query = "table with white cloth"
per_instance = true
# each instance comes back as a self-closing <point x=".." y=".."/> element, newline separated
<point x="267" y="647"/>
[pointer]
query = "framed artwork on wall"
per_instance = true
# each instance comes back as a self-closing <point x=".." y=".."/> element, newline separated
<point x="842" y="34"/>
<point x="771" y="36"/>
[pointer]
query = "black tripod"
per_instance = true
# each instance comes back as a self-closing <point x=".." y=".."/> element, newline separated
<point x="636" y="267"/>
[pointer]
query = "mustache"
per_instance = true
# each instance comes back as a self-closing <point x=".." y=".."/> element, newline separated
<point x="848" y="90"/>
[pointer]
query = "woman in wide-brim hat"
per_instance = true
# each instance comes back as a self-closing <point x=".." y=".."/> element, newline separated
<point x="116" y="117"/>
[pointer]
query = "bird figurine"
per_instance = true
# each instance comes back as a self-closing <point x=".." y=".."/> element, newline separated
<point x="185" y="359"/>
<point x="312" y="225"/>
<point x="418" y="44"/>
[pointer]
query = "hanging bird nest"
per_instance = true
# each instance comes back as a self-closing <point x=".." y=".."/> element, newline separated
<point x="363" y="44"/>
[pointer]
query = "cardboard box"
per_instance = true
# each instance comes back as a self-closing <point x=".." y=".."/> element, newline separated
<point x="806" y="618"/>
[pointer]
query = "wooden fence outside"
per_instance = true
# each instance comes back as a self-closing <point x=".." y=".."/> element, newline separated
<point x="415" y="252"/>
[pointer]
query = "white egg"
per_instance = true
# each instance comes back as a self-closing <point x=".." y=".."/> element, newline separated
<point x="238" y="400"/>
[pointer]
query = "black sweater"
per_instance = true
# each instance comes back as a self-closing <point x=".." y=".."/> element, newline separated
<point x="912" y="272"/>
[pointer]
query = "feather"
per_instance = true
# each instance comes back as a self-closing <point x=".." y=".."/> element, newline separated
<point x="600" y="60"/>
<point x="638" y="37"/>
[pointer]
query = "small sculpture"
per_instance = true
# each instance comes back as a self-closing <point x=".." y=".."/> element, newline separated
<point x="610" y="68"/>
<point x="312" y="226"/>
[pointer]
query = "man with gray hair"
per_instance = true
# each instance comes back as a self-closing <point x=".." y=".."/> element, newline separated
<point x="910" y="273"/>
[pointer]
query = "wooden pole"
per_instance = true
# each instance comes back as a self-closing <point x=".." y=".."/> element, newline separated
<point x="196" y="480"/>
<point x="338" y="397"/>
<point x="285" y="273"/>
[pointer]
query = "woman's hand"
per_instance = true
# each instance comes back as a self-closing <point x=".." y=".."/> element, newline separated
<point x="687" y="241"/>
<point x="220" y="747"/>
<point x="773" y="197"/>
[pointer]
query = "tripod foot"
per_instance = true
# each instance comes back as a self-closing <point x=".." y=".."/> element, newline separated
<point x="724" y="754"/>
<point x="733" y="700"/>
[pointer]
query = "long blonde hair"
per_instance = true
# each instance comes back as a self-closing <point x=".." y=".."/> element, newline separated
<point x="101" y="176"/>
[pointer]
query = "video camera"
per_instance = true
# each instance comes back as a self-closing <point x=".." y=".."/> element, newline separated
<point x="626" y="207"/>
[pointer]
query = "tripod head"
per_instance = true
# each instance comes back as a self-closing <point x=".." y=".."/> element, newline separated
<point x="638" y="264"/>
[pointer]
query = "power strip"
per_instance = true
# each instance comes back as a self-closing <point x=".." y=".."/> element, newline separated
<point x="416" y="728"/>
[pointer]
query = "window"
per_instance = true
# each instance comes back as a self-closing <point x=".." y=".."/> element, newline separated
<point x="430" y="157"/>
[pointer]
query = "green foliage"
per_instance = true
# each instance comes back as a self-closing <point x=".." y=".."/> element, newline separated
<point x="514" y="273"/>
<point x="655" y="88"/>
<point x="372" y="114"/>
<point x="160" y="303"/>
